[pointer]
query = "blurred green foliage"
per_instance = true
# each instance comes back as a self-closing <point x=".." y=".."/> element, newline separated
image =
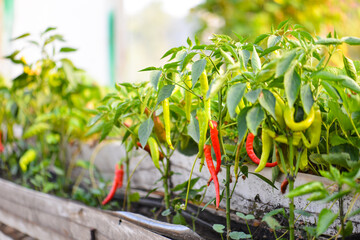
<point x="253" y="17"/>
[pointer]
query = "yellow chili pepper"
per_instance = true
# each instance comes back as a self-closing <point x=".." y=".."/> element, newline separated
<point x="298" y="126"/>
<point x="166" y="112"/>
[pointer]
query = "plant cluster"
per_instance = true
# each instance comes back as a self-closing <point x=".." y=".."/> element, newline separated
<point x="279" y="97"/>
<point x="45" y="105"/>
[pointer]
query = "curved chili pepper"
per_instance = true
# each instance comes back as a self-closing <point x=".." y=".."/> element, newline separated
<point x="210" y="165"/>
<point x="216" y="146"/>
<point x="251" y="153"/>
<point x="203" y="126"/>
<point x="188" y="98"/>
<point x="279" y="110"/>
<point x="147" y="148"/>
<point x="117" y="183"/>
<point x="166" y="112"/>
<point x="314" y="132"/>
<point x="27" y="158"/>
<point x="266" y="150"/>
<point x="298" y="126"/>
<point x="283" y="186"/>
<point x="282" y="138"/>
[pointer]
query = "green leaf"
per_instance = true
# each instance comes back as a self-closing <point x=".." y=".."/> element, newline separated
<point x="254" y="117"/>
<point x="246" y="217"/>
<point x="255" y="61"/>
<point x="95" y="128"/>
<point x="187" y="59"/>
<point x="348" y="228"/>
<point x="218" y="228"/>
<point x="154" y="78"/>
<point x="306" y="97"/>
<point x="272" y="222"/>
<point x="292" y="83"/>
<point x="339" y="159"/>
<point x="21" y="36"/>
<point x="68" y="49"/>
<point x="165" y="92"/>
<point x="106" y="128"/>
<point x="166" y="212"/>
<point x="184" y="185"/>
<point x="234" y="96"/>
<point x="134" y="197"/>
<point x="267" y="101"/>
<point x="303" y="213"/>
<point x="178" y="218"/>
<point x="344" y="119"/>
<point x="282" y="24"/>
<point x="193" y="129"/>
<point x="253" y="95"/>
<point x="275" y="212"/>
<point x="326" y="218"/>
<point x="351" y="40"/>
<point x="330" y="90"/>
<point x="329" y="41"/>
<point x="145" y="130"/>
<point x="264" y="179"/>
<point x="239" y="235"/>
<point x="49" y="29"/>
<point x="354" y="213"/>
<point x="260" y="38"/>
<point x="197" y="68"/>
<point x="350" y="83"/>
<point x="269" y="50"/>
<point x="149" y="69"/>
<point x="272" y="41"/>
<point x="284" y="63"/>
<point x="241" y="122"/>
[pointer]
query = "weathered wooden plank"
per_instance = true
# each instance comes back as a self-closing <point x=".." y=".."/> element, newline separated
<point x="70" y="219"/>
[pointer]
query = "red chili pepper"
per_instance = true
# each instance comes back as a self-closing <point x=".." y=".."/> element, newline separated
<point x="117" y="183"/>
<point x="251" y="153"/>
<point x="1" y="145"/>
<point x="147" y="148"/>
<point x="284" y="185"/>
<point x="210" y="165"/>
<point x="216" y="145"/>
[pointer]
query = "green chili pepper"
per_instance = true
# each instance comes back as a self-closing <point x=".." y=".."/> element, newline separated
<point x="306" y="189"/>
<point x="166" y="112"/>
<point x="228" y="59"/>
<point x="298" y="126"/>
<point x="266" y="150"/>
<point x="203" y="126"/>
<point x="314" y="132"/>
<point x="188" y="98"/>
<point x="204" y="89"/>
<point x="303" y="160"/>
<point x="279" y="110"/>
<point x="283" y="138"/>
<point x="154" y="151"/>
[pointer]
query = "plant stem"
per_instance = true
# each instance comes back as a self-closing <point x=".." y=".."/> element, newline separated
<point x="166" y="187"/>
<point x="341" y="207"/>
<point x="228" y="198"/>
<point x="128" y="188"/>
<point x="291" y="187"/>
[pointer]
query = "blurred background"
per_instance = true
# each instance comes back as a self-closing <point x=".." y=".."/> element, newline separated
<point x="117" y="38"/>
